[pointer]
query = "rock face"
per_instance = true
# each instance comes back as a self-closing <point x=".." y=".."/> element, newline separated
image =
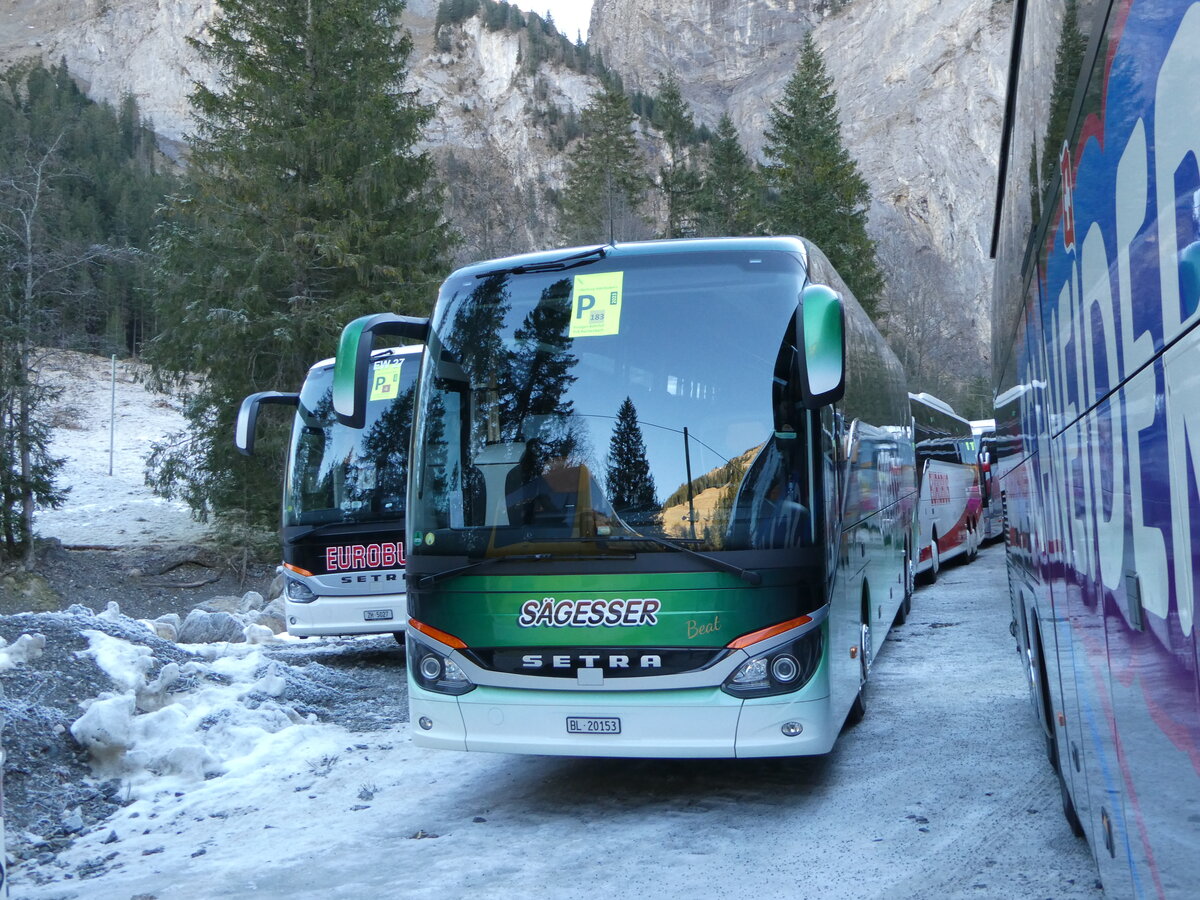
<point x="729" y="55"/>
<point x="115" y="48"/>
<point x="920" y="87"/>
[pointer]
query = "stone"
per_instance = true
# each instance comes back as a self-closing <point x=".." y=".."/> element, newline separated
<point x="201" y="627"/>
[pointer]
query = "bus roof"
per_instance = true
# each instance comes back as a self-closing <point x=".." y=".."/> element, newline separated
<point x="545" y="258"/>
<point x="410" y="350"/>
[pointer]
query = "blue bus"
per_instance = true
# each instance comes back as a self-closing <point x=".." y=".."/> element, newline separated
<point x="1096" y="348"/>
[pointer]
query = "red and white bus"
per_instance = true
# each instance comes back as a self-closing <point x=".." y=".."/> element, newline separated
<point x="991" y="511"/>
<point x="948" y="504"/>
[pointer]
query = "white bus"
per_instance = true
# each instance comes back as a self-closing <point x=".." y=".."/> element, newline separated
<point x="991" y="511"/>
<point x="344" y="500"/>
<point x="948" y="478"/>
<point x="660" y="501"/>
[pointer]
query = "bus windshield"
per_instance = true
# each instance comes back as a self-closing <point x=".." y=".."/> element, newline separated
<point x="586" y="409"/>
<point x="340" y="474"/>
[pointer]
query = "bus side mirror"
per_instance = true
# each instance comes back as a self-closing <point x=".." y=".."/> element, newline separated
<point x="822" y="346"/>
<point x="352" y="369"/>
<point x="247" y="419"/>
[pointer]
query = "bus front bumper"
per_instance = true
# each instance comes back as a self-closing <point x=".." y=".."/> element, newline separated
<point x="693" y="723"/>
<point x="330" y="615"/>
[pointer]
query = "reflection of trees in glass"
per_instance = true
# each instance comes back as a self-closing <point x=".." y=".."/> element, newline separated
<point x="536" y="377"/>
<point x="711" y="512"/>
<point x="338" y="468"/>
<point x="517" y="382"/>
<point x="475" y="341"/>
<point x="716" y="531"/>
<point x="1068" y="63"/>
<point x="311" y="489"/>
<point x="385" y="447"/>
<point x="628" y="480"/>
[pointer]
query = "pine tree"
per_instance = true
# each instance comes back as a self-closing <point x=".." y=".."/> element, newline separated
<point x="309" y="205"/>
<point x="729" y="199"/>
<point x="606" y="173"/>
<point x="628" y="481"/>
<point x="815" y="188"/>
<point x="1068" y="61"/>
<point x="33" y="267"/>
<point x="677" y="180"/>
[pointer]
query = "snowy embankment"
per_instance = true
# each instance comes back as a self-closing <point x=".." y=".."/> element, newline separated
<point x="109" y="504"/>
<point x="166" y="727"/>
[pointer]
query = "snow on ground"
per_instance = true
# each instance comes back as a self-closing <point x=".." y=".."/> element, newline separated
<point x="284" y="769"/>
<point x="116" y="510"/>
<point x="941" y="792"/>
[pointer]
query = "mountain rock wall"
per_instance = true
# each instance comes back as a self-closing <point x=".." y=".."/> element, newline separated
<point x="920" y="87"/>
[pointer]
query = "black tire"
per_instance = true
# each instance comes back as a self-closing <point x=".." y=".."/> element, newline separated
<point x="935" y="562"/>
<point x="1068" y="806"/>
<point x="1056" y="761"/>
<point x="857" y="711"/>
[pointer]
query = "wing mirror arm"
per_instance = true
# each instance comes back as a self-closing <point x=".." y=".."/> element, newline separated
<point x="247" y="419"/>
<point x="354" y="359"/>
<point x="822" y="343"/>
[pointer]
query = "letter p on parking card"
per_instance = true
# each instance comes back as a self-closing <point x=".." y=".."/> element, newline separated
<point x="385" y="381"/>
<point x="596" y="304"/>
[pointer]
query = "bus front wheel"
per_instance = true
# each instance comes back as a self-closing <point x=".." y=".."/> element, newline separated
<point x="859" y="708"/>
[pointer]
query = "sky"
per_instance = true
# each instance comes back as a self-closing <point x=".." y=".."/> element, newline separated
<point x="570" y="16"/>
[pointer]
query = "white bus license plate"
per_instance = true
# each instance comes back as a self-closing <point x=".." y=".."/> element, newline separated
<point x="377" y="615"/>
<point x="587" y="725"/>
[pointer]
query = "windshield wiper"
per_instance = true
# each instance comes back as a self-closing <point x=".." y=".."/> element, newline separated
<point x="551" y="265"/>
<point x="749" y="576"/>
<point x="326" y="526"/>
<point x="426" y="580"/>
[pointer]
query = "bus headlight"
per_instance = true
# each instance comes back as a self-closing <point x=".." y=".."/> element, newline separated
<point x="435" y="672"/>
<point x="784" y="669"/>
<point x="298" y="592"/>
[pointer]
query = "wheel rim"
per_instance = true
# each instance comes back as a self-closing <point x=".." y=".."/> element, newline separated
<point x="864" y="644"/>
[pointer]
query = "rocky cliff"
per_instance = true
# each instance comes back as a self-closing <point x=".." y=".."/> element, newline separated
<point x="920" y="85"/>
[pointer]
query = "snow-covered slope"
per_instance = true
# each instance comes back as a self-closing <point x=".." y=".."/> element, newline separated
<point x="111" y="509"/>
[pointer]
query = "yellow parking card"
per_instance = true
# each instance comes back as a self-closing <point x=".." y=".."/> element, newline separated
<point x="596" y="304"/>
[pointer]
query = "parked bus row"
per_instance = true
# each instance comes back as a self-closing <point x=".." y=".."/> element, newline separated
<point x="627" y="548"/>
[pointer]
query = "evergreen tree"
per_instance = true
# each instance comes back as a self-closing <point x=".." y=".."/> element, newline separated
<point x="105" y="191"/>
<point x="606" y="173"/>
<point x="33" y="267"/>
<point x="309" y="205"/>
<point x="729" y="199"/>
<point x="628" y="481"/>
<point x="677" y="181"/>
<point x="815" y="188"/>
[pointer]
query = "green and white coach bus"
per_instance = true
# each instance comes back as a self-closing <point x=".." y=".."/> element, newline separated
<point x="660" y="501"/>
